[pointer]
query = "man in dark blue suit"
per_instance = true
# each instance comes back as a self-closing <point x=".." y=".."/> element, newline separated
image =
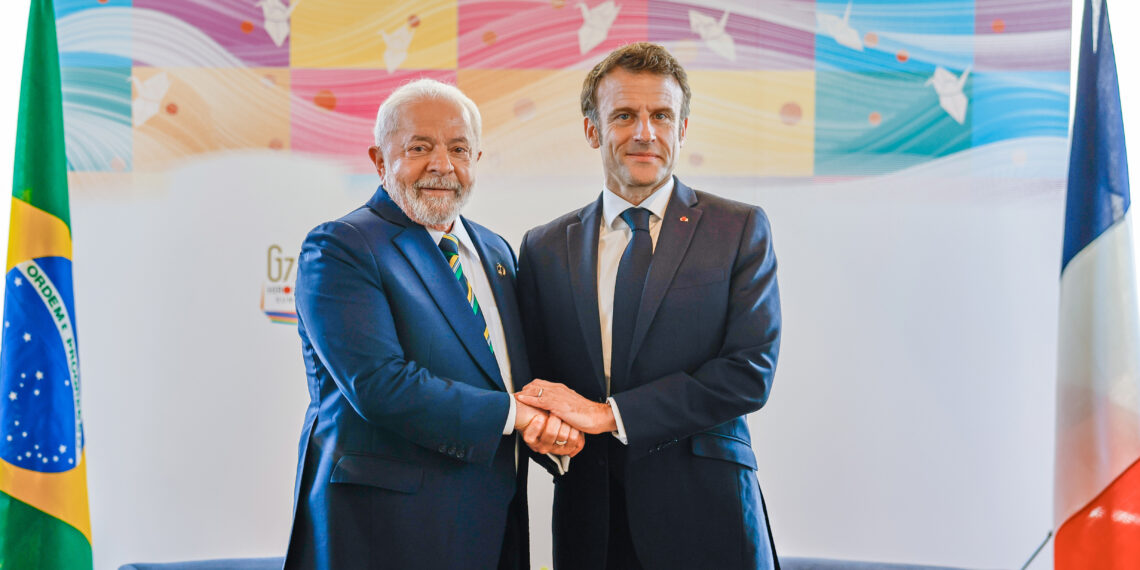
<point x="653" y="318"/>
<point x="412" y="344"/>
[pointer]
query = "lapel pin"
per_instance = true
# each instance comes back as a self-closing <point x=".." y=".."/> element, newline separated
<point x="502" y="271"/>
<point x="684" y="218"/>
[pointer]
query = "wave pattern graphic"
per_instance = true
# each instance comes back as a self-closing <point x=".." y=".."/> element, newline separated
<point x="796" y="88"/>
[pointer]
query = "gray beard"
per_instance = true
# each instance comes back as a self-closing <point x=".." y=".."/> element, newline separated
<point x="425" y="210"/>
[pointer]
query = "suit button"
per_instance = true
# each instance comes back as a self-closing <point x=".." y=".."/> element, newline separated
<point x="443" y="449"/>
<point x="451" y="451"/>
<point x="460" y="454"/>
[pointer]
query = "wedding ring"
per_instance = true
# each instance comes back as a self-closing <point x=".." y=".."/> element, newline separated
<point x="540" y="395"/>
<point x="563" y="442"/>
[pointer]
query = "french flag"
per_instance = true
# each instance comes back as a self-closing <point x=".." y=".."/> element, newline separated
<point x="1097" y="474"/>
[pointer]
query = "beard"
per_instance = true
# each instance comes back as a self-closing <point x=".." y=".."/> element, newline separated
<point x="429" y="210"/>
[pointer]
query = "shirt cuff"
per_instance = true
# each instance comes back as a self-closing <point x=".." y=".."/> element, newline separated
<point x="562" y="462"/>
<point x="510" y="427"/>
<point x="620" y="433"/>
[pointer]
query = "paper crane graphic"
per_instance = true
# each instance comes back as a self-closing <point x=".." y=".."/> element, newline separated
<point x="277" y="18"/>
<point x="596" y="24"/>
<point x="396" y="46"/>
<point x="712" y="32"/>
<point x="149" y="97"/>
<point x="840" y="29"/>
<point x="950" y="92"/>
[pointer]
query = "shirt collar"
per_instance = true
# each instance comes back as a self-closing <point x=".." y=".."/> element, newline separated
<point x="459" y="230"/>
<point x="613" y="205"/>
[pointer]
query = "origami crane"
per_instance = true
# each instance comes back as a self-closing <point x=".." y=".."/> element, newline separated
<point x="277" y="18"/>
<point x="596" y="24"/>
<point x="712" y="32"/>
<point x="840" y="29"/>
<point x="149" y="97"/>
<point x="950" y="92"/>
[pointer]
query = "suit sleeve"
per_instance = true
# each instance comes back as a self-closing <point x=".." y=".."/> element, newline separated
<point x="734" y="383"/>
<point x="535" y="341"/>
<point x="345" y="313"/>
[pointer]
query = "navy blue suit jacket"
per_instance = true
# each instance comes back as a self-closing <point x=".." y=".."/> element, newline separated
<point x="703" y="355"/>
<point x="403" y="462"/>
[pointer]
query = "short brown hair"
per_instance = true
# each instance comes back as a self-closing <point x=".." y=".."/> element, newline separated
<point x="635" y="58"/>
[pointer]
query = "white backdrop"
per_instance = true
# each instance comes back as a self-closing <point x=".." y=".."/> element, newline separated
<point x="912" y="417"/>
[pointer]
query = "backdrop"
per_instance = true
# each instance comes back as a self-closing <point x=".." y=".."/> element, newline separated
<point x="911" y="157"/>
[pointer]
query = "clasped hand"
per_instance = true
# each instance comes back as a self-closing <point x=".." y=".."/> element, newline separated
<point x="552" y="418"/>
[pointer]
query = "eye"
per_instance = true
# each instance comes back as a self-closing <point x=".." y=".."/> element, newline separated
<point x="623" y="116"/>
<point x="661" y="116"/>
<point x="460" y="150"/>
<point x="417" y="149"/>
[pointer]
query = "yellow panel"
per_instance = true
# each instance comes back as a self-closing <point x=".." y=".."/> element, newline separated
<point x="755" y="123"/>
<point x="213" y="109"/>
<point x="531" y="120"/>
<point x="407" y="34"/>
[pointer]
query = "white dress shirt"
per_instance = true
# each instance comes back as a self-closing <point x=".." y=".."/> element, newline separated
<point x="477" y="277"/>
<point x="614" y="236"/>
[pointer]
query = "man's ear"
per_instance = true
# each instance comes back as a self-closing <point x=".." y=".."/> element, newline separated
<point x="591" y="133"/>
<point x="377" y="159"/>
<point x="681" y="134"/>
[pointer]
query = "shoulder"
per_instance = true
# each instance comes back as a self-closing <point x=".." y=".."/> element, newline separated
<point x="554" y="231"/>
<point x="721" y="211"/>
<point x="356" y="230"/>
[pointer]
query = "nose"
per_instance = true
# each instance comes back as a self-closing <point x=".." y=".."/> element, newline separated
<point x="439" y="163"/>
<point x="645" y="132"/>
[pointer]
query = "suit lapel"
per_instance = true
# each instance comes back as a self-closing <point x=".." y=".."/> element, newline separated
<point x="582" y="255"/>
<point x="672" y="243"/>
<point x="505" y="302"/>
<point x="416" y="245"/>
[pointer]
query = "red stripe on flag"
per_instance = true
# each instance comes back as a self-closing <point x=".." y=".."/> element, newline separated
<point x="1106" y="533"/>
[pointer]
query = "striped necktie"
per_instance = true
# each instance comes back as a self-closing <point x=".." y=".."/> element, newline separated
<point x="450" y="247"/>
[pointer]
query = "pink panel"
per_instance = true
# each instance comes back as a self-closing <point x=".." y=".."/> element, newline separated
<point x="333" y="110"/>
<point x="546" y="34"/>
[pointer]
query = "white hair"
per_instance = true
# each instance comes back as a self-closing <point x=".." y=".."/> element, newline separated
<point x="387" y="116"/>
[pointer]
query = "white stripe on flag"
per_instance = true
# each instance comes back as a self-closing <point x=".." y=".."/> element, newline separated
<point x="1098" y="388"/>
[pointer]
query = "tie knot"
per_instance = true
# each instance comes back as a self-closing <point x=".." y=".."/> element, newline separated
<point x="637" y="218"/>
<point x="449" y="244"/>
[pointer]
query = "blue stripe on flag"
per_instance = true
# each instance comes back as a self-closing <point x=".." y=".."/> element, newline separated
<point x="1098" y="193"/>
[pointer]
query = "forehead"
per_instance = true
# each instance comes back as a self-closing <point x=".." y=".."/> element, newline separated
<point x="622" y="88"/>
<point x="433" y="118"/>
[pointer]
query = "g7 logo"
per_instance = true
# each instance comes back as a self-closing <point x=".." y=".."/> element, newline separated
<point x="278" y="268"/>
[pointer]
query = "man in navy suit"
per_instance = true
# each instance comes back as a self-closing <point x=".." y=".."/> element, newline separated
<point x="412" y="344"/>
<point x="653" y="318"/>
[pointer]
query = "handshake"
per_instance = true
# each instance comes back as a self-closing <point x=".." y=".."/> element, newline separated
<point x="552" y="418"/>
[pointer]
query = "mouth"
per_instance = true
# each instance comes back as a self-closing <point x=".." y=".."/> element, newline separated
<point x="437" y="187"/>
<point x="642" y="156"/>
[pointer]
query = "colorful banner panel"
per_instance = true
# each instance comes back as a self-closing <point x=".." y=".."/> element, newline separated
<point x="789" y="88"/>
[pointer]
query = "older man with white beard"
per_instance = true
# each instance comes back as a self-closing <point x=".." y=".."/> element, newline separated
<point x="413" y="344"/>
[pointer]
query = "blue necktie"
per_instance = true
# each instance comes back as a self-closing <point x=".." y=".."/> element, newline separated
<point x="450" y="247"/>
<point x="632" y="269"/>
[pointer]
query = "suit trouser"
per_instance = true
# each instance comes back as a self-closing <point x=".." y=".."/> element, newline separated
<point x="620" y="553"/>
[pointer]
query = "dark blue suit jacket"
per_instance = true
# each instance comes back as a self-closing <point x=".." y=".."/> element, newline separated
<point x="703" y="356"/>
<point x="403" y="462"/>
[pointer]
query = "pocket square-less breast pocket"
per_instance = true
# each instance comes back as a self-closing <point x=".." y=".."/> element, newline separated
<point x="376" y="471"/>
<point x="698" y="277"/>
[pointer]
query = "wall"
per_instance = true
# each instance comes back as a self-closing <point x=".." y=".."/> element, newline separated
<point x="911" y="420"/>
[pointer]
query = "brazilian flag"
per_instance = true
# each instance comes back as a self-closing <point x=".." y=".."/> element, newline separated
<point x="44" y="518"/>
